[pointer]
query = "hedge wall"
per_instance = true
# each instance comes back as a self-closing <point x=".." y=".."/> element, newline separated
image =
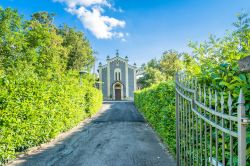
<point x="40" y="95"/>
<point x="157" y="103"/>
<point x="33" y="111"/>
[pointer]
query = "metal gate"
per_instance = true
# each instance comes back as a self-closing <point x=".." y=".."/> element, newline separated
<point x="210" y="126"/>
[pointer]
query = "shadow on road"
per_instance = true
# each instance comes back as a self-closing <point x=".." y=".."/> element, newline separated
<point x="117" y="136"/>
<point x="113" y="111"/>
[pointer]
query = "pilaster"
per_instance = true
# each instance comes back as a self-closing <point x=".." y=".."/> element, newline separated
<point x="135" y="79"/>
<point x="108" y="78"/>
<point x="127" y="83"/>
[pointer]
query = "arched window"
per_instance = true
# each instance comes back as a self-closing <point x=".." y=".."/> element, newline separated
<point x="117" y="74"/>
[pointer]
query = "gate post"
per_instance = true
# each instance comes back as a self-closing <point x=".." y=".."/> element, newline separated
<point x="241" y="130"/>
<point x="177" y="124"/>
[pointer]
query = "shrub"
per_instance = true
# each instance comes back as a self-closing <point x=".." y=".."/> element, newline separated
<point x="40" y="95"/>
<point x="157" y="105"/>
<point x="34" y="111"/>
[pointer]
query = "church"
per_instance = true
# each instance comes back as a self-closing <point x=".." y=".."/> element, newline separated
<point x="117" y="78"/>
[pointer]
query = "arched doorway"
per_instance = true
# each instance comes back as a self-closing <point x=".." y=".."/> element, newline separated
<point x="118" y="91"/>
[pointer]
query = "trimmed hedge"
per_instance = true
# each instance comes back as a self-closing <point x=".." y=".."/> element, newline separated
<point x="157" y="103"/>
<point x="40" y="95"/>
<point x="33" y="111"/>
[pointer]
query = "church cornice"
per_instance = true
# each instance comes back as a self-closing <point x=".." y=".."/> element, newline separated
<point x="118" y="58"/>
<point x="129" y="66"/>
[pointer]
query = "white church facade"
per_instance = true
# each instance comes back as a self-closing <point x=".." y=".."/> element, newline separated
<point x="117" y="78"/>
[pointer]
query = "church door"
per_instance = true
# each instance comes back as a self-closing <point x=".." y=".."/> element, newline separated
<point x="118" y="95"/>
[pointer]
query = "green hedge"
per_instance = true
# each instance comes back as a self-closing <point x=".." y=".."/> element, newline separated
<point x="157" y="105"/>
<point x="33" y="111"/>
<point x="40" y="95"/>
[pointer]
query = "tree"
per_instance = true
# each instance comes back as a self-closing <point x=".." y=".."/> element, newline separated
<point x="43" y="17"/>
<point x="170" y="63"/>
<point x="154" y="63"/>
<point x="151" y="76"/>
<point x="191" y="66"/>
<point x="80" y="53"/>
<point x="156" y="71"/>
<point x="12" y="40"/>
<point x="44" y="49"/>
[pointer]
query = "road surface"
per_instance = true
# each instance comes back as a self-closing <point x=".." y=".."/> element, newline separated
<point x="117" y="136"/>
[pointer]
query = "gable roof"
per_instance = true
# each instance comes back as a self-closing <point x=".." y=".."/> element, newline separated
<point x="120" y="59"/>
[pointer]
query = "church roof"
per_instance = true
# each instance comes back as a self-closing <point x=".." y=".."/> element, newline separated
<point x="117" y="57"/>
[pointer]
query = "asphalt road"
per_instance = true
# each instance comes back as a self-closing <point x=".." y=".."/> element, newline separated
<point x="118" y="136"/>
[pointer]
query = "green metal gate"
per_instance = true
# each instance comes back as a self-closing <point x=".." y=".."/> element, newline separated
<point x="210" y="126"/>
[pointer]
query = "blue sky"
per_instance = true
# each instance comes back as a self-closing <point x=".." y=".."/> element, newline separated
<point x="140" y="29"/>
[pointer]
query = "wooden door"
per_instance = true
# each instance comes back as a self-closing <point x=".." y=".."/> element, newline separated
<point x="118" y="95"/>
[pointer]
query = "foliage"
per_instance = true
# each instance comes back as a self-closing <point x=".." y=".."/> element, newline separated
<point x="218" y="58"/>
<point x="80" y="52"/>
<point x="43" y="17"/>
<point x="151" y="76"/>
<point x="170" y="63"/>
<point x="156" y="71"/>
<point x="157" y="105"/>
<point x="214" y="62"/>
<point x="40" y="95"/>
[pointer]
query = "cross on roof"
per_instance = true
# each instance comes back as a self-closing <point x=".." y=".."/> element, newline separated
<point x="117" y="52"/>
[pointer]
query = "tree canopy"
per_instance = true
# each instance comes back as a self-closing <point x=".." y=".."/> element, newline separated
<point x="156" y="71"/>
<point x="214" y="62"/>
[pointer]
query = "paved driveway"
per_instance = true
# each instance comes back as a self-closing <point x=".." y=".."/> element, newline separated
<point x="118" y="136"/>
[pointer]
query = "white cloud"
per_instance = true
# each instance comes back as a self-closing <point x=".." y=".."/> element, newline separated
<point x="86" y="3"/>
<point x="123" y="40"/>
<point x="90" y="13"/>
<point x="117" y="10"/>
<point x="120" y="10"/>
